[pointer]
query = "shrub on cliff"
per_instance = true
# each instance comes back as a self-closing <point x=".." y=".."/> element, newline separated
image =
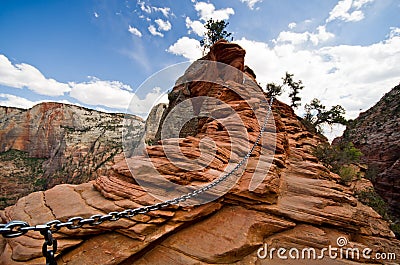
<point x="338" y="159"/>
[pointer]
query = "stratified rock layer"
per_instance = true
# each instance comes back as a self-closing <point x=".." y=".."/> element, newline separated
<point x="54" y="143"/>
<point x="376" y="133"/>
<point x="299" y="202"/>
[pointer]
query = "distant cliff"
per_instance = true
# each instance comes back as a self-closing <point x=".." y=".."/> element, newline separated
<point x="376" y="133"/>
<point x="55" y="143"/>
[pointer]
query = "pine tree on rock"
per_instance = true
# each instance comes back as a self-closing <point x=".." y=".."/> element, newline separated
<point x="216" y="30"/>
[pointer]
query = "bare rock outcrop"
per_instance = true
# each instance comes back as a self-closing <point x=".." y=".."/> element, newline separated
<point x="298" y="202"/>
<point x="54" y="143"/>
<point x="376" y="132"/>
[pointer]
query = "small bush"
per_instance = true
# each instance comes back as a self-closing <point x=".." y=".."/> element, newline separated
<point x="347" y="174"/>
<point x="337" y="156"/>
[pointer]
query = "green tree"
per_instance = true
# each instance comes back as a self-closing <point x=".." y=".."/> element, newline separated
<point x="273" y="90"/>
<point x="216" y="30"/>
<point x="317" y="115"/>
<point x="295" y="88"/>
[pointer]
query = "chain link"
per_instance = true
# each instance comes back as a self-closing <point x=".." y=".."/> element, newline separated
<point x="19" y="228"/>
<point x="49" y="241"/>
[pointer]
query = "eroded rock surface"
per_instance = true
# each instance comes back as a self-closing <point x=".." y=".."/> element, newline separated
<point x="54" y="143"/>
<point x="299" y="203"/>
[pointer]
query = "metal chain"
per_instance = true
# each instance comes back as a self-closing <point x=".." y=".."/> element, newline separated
<point x="49" y="241"/>
<point x="19" y="228"/>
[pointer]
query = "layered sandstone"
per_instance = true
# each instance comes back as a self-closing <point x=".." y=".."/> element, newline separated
<point x="297" y="203"/>
<point x="54" y="143"/>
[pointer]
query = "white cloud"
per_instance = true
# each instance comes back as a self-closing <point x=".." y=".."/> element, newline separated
<point x="112" y="94"/>
<point x="207" y="11"/>
<point x="321" y="36"/>
<point x="145" y="7"/>
<point x="96" y="92"/>
<point x="188" y="48"/>
<point x="164" y="10"/>
<point x="195" y="26"/>
<point x="143" y="106"/>
<point x="163" y="25"/>
<point x="251" y="3"/>
<point x="134" y="31"/>
<point x="152" y="29"/>
<point x="25" y="75"/>
<point x="15" y="101"/>
<point x="360" y="3"/>
<point x="292" y="25"/>
<point x="149" y="9"/>
<point x="353" y="76"/>
<point x="20" y="102"/>
<point x="295" y="38"/>
<point x="348" y="10"/>
<point x="394" y="32"/>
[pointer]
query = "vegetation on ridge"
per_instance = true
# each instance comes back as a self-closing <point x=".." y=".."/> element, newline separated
<point x="216" y="30"/>
<point x="338" y="159"/>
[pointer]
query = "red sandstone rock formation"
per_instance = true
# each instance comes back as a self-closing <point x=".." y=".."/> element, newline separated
<point x="299" y="202"/>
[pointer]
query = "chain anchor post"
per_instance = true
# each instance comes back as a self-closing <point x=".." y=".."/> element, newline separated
<point x="49" y="241"/>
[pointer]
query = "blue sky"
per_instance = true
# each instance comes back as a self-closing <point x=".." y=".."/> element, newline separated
<point x="96" y="53"/>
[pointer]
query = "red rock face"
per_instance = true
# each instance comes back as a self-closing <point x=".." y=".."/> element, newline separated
<point x="376" y="133"/>
<point x="72" y="145"/>
<point x="299" y="203"/>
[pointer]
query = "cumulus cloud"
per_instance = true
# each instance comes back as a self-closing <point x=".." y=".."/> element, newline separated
<point x="353" y="76"/>
<point x="187" y="47"/>
<point x="152" y="29"/>
<point x="360" y="3"/>
<point x="251" y="3"/>
<point x="20" y="102"/>
<point x="207" y="11"/>
<point x="16" y="102"/>
<point x="166" y="11"/>
<point x="195" y="26"/>
<point x="113" y="94"/>
<point x="292" y="25"/>
<point x="144" y="7"/>
<point x="25" y="75"/>
<point x="295" y="38"/>
<point x="95" y="92"/>
<point x="348" y="10"/>
<point x="134" y="31"/>
<point x="163" y="25"/>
